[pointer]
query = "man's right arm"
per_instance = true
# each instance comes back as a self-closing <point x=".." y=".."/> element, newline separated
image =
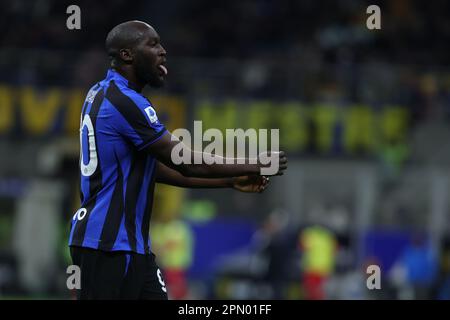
<point x="162" y="150"/>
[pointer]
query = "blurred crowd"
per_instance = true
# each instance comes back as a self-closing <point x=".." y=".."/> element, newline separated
<point x="414" y="31"/>
<point x="308" y="50"/>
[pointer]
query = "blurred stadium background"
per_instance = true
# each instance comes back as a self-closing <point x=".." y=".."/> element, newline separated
<point x="363" y="115"/>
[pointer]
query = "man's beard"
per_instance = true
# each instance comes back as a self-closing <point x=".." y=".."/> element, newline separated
<point x="148" y="75"/>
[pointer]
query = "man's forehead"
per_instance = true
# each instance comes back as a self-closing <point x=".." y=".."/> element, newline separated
<point x="150" y="33"/>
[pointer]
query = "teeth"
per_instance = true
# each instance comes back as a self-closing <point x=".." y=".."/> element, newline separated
<point x="163" y="69"/>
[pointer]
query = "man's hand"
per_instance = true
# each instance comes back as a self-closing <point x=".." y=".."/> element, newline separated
<point x="274" y="163"/>
<point x="252" y="183"/>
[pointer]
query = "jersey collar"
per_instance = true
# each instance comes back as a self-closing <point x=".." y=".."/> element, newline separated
<point x="119" y="79"/>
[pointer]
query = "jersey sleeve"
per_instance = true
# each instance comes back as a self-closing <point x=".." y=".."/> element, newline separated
<point x="137" y="120"/>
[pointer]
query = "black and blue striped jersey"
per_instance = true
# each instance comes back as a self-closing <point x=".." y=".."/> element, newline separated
<point x="117" y="175"/>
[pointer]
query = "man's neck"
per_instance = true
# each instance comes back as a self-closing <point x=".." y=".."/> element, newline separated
<point x="131" y="78"/>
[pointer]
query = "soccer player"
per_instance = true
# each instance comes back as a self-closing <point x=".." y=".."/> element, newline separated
<point x="125" y="149"/>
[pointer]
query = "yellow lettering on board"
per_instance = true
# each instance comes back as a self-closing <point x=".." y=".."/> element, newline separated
<point x="38" y="111"/>
<point x="6" y="109"/>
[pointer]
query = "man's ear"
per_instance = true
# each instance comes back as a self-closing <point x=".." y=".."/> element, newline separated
<point x="126" y="55"/>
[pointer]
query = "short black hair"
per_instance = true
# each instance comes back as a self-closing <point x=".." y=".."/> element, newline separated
<point x="124" y="36"/>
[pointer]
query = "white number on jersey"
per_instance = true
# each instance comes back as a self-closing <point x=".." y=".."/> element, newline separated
<point x="88" y="169"/>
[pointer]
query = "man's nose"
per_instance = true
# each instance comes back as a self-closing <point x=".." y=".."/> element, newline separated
<point x="162" y="52"/>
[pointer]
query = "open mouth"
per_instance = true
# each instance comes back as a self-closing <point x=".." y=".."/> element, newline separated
<point x="162" y="70"/>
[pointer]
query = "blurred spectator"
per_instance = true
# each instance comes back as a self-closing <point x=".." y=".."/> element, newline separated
<point x="172" y="240"/>
<point x="277" y="240"/>
<point x="416" y="270"/>
<point x="319" y="248"/>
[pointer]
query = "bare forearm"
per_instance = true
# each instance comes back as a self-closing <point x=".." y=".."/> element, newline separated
<point x="179" y="157"/>
<point x="219" y="167"/>
<point x="172" y="177"/>
<point x="202" y="183"/>
<point x="220" y="170"/>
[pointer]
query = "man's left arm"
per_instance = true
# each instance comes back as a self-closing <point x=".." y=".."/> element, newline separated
<point x="169" y="176"/>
